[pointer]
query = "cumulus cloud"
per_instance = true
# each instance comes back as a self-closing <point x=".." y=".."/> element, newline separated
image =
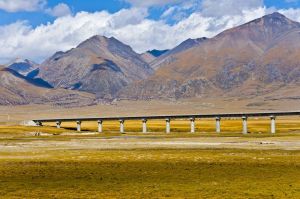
<point x="127" y="17"/>
<point x="179" y="11"/>
<point x="59" y="10"/>
<point x="130" y="26"/>
<point x="217" y="8"/>
<point x="22" y="5"/>
<point x="291" y="13"/>
<point x="169" y="12"/>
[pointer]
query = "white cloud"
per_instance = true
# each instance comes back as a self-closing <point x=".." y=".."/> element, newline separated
<point x="291" y="13"/>
<point x="217" y="8"/>
<point x="168" y="12"/>
<point x="130" y="26"/>
<point x="59" y="10"/>
<point x="180" y="11"/>
<point x="22" y="5"/>
<point x="127" y="17"/>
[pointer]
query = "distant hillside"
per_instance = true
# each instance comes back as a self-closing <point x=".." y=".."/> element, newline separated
<point x="157" y="53"/>
<point x="99" y="65"/>
<point x="16" y="89"/>
<point x="168" y="56"/>
<point x="147" y="57"/>
<point x="22" y="66"/>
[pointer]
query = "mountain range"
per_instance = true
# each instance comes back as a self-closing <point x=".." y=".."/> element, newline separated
<point x="246" y="61"/>
<point x="255" y="59"/>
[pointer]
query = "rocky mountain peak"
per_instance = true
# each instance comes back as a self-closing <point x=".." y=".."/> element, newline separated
<point x="274" y="21"/>
<point x="261" y="31"/>
<point x="96" y="39"/>
<point x="189" y="43"/>
<point x="99" y="65"/>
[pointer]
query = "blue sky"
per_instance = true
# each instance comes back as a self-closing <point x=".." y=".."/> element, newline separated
<point x="38" y="17"/>
<point x="36" y="29"/>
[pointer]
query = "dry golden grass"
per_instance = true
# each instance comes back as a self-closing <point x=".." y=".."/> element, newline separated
<point x="150" y="174"/>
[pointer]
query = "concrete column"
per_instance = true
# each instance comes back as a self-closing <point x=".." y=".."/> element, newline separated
<point x="121" y="126"/>
<point x="273" y="124"/>
<point x="192" y="125"/>
<point x="245" y="125"/>
<point x="100" y="129"/>
<point x="78" y="125"/>
<point x="58" y="124"/>
<point x="168" y="127"/>
<point x="144" y="125"/>
<point x="218" y="124"/>
<point x="38" y="123"/>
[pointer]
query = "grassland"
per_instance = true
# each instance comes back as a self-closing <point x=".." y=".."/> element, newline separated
<point x="151" y="174"/>
<point x="83" y="165"/>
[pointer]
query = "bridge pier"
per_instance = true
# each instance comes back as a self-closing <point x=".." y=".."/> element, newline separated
<point x="192" y="124"/>
<point x="144" y="125"/>
<point x="122" y="125"/>
<point x="273" y="124"/>
<point x="218" y="124"/>
<point x="168" y="127"/>
<point x="78" y="125"/>
<point x="100" y="129"/>
<point x="245" y="124"/>
<point x="58" y="124"/>
<point x="38" y="123"/>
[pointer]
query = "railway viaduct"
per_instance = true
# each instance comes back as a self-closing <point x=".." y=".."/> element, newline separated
<point x="168" y="118"/>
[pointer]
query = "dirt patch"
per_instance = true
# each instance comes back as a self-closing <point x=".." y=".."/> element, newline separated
<point x="136" y="142"/>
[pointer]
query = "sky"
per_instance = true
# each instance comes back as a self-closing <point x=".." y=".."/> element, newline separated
<point x="36" y="29"/>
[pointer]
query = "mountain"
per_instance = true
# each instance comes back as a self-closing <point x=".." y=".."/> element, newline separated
<point x="148" y="57"/>
<point x="16" y="89"/>
<point x="22" y="66"/>
<point x="157" y="53"/>
<point x="168" y="57"/>
<point x="99" y="65"/>
<point x="250" y="60"/>
<point x="152" y="55"/>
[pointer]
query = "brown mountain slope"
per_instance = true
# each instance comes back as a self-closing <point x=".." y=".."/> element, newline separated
<point x="169" y="57"/>
<point x="253" y="59"/>
<point x="99" y="65"/>
<point x="148" y="57"/>
<point x="16" y="89"/>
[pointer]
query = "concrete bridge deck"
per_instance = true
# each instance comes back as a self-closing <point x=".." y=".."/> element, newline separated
<point x="168" y="118"/>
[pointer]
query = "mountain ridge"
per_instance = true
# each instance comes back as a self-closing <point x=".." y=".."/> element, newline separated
<point x="233" y="62"/>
